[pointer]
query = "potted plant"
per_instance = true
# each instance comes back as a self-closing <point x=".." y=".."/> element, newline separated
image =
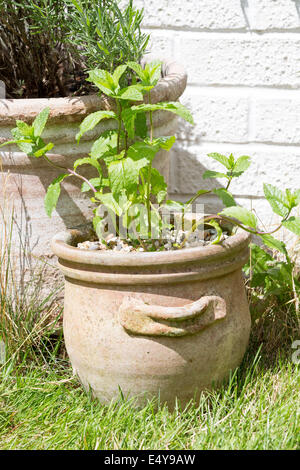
<point x="155" y="302"/>
<point x="144" y="311"/>
<point x="61" y="40"/>
<point x="154" y="297"/>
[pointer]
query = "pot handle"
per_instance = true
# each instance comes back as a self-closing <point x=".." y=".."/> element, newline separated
<point x="139" y="318"/>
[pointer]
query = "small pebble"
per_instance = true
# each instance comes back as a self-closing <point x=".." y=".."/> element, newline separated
<point x="171" y="241"/>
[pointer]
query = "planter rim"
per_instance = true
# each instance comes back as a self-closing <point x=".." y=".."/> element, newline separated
<point x="72" y="109"/>
<point x="61" y="245"/>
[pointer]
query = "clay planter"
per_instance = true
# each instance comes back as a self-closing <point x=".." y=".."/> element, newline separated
<point x="29" y="178"/>
<point x="166" y="324"/>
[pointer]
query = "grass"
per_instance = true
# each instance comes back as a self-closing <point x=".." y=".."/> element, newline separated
<point x="45" y="408"/>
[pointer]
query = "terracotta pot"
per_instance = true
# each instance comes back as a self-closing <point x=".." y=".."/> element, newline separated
<point x="29" y="178"/>
<point x="166" y="323"/>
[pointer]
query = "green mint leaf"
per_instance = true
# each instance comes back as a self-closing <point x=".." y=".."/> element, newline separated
<point x="105" y="145"/>
<point x="25" y="129"/>
<point x="297" y="197"/>
<point x="213" y="174"/>
<point x="118" y="73"/>
<point x="221" y="159"/>
<point x="123" y="174"/>
<point x="138" y="70"/>
<point x="110" y="202"/>
<point x="293" y="224"/>
<point x="165" y="143"/>
<point x="153" y="69"/>
<point x="172" y="106"/>
<point x="277" y="200"/>
<point x="103" y="80"/>
<point x="132" y="93"/>
<point x="53" y="193"/>
<point x="244" y="216"/>
<point x="96" y="182"/>
<point x="92" y="120"/>
<point x="40" y="122"/>
<point x="88" y="161"/>
<point x="43" y="150"/>
<point x="142" y="150"/>
<point x="128" y="118"/>
<point x="273" y="243"/>
<point x="225" y="196"/>
<point x="241" y="165"/>
<point x="141" y="125"/>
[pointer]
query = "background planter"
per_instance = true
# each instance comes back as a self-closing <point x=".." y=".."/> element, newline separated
<point x="168" y="323"/>
<point x="29" y="178"/>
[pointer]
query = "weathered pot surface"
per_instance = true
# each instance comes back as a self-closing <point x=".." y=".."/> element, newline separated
<point x="168" y="324"/>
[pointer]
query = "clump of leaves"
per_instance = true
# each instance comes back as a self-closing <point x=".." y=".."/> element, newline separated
<point x="132" y="185"/>
<point x="126" y="184"/>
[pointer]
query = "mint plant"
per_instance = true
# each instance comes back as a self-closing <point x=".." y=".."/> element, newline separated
<point x="127" y="190"/>
<point x="125" y="184"/>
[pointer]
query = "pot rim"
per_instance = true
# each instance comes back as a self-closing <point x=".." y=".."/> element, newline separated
<point x="169" y="88"/>
<point x="61" y="245"/>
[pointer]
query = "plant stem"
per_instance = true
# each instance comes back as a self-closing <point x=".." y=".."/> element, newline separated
<point x="149" y="174"/>
<point x="119" y="106"/>
<point x="72" y="172"/>
<point x="233" y="221"/>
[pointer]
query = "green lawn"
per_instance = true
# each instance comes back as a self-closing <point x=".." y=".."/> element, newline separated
<point x="44" y="407"/>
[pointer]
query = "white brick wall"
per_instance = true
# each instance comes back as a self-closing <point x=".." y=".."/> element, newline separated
<point x="243" y="62"/>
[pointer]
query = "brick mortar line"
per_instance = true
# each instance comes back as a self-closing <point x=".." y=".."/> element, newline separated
<point x="218" y="33"/>
<point x="252" y="143"/>
<point x="225" y="31"/>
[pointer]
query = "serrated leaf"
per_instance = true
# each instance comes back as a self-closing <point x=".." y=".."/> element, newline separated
<point x="241" y="165"/>
<point x="277" y="199"/>
<point x="123" y="174"/>
<point x="297" y="197"/>
<point x="165" y="143"/>
<point x="293" y="224"/>
<point x="132" y="93"/>
<point x="244" y="216"/>
<point x="225" y="196"/>
<point x="103" y="80"/>
<point x="53" y="193"/>
<point x="154" y="70"/>
<point x="137" y="69"/>
<point x="158" y="184"/>
<point x="96" y="182"/>
<point x="110" y="202"/>
<point x="141" y="126"/>
<point x="25" y="129"/>
<point x="92" y="120"/>
<point x="174" y="205"/>
<point x="213" y="174"/>
<point x="119" y="71"/>
<point x="273" y="243"/>
<point x="143" y="150"/>
<point x="40" y="122"/>
<point x="43" y="150"/>
<point x="88" y="161"/>
<point x="128" y="118"/>
<point x="106" y="144"/>
<point x="221" y="159"/>
<point x="172" y="106"/>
